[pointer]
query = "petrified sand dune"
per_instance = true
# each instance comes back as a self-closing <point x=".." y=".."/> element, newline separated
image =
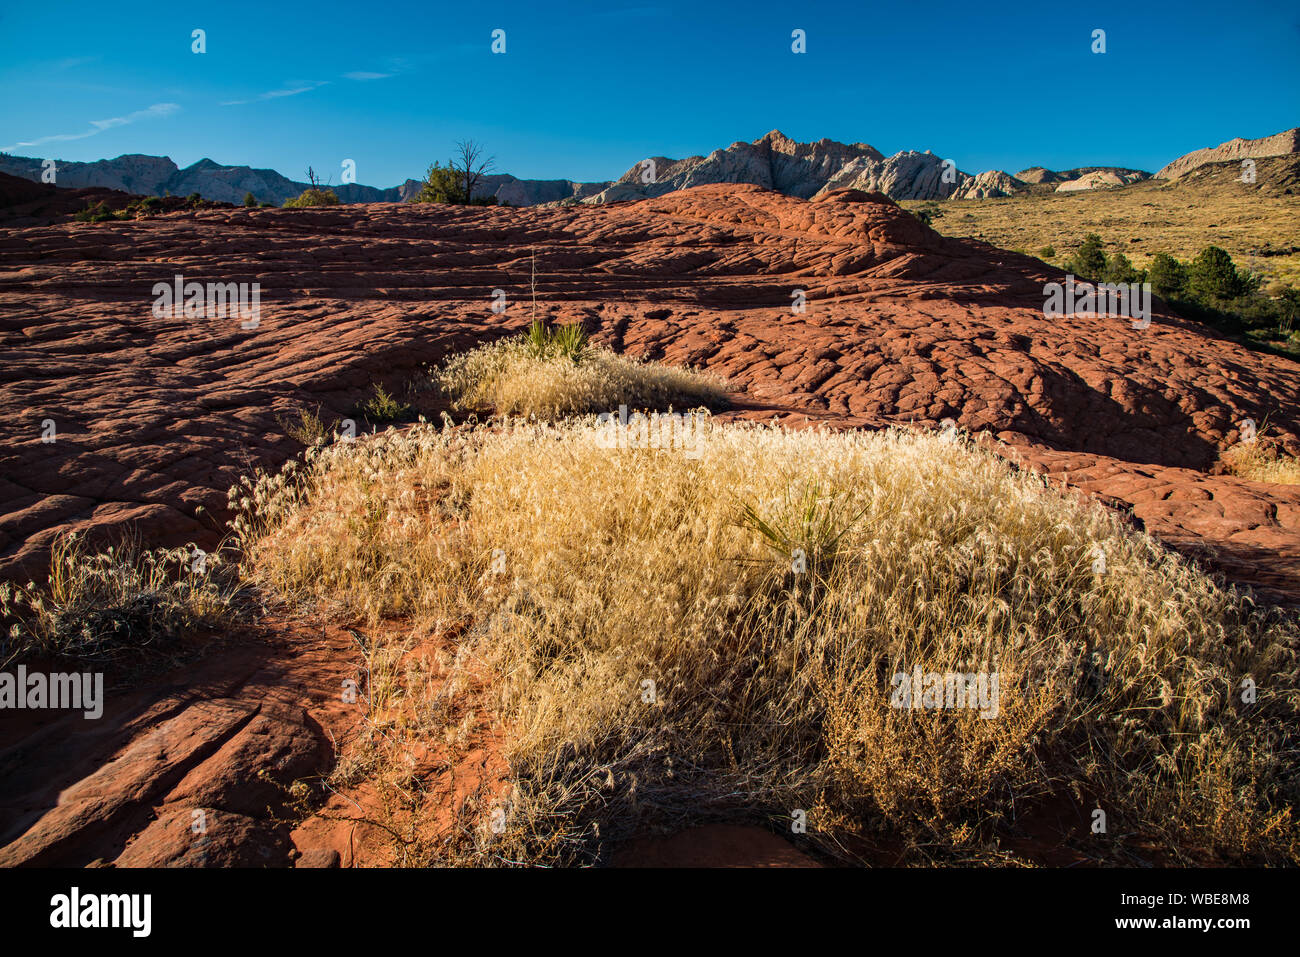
<point x="25" y="203"/>
<point x="221" y="743"/>
<point x="157" y="417"/>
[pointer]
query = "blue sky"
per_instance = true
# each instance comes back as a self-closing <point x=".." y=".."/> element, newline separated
<point x="585" y="90"/>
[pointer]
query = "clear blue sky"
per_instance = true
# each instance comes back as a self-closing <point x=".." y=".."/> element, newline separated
<point x="586" y="90"/>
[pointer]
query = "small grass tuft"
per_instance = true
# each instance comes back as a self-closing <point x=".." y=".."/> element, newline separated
<point x="382" y="407"/>
<point x="557" y="373"/>
<point x="104" y="606"/>
<point x="310" y="429"/>
<point x="1262" y="460"/>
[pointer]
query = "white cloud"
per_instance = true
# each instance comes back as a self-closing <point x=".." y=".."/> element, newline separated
<point x="69" y="63"/>
<point x="157" y="111"/>
<point x="363" y="75"/>
<point x="276" y="94"/>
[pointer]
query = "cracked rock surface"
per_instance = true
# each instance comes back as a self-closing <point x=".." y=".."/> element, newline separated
<point x="154" y="418"/>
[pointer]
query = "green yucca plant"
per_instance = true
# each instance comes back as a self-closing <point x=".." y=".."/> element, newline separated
<point x="806" y="538"/>
<point x="568" y="342"/>
<point x="537" y="340"/>
<point x="813" y="524"/>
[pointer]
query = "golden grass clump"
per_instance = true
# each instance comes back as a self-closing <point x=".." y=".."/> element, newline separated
<point x="107" y="605"/>
<point x="1262" y="460"/>
<point x="521" y="377"/>
<point x="310" y="429"/>
<point x="683" y="638"/>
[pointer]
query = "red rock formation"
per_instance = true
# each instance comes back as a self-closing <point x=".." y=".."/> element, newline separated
<point x="156" y="417"/>
<point x="25" y="203"/>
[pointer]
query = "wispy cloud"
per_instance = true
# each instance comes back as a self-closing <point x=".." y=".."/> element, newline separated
<point x="277" y="94"/>
<point x="69" y="63"/>
<point x="157" y="111"/>
<point x="363" y="75"/>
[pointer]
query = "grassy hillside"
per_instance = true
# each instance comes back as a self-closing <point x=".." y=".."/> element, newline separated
<point x="1258" y="224"/>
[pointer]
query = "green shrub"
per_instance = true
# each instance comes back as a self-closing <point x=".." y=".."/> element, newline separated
<point x="381" y="407"/>
<point x="1212" y="277"/>
<point x="312" y="197"/>
<point x="446" y="184"/>
<point x="250" y="200"/>
<point x="1047" y="252"/>
<point x="1168" y="277"/>
<point x="441" y="185"/>
<point x="1120" y="270"/>
<point x="1090" y="260"/>
<point x="98" y="213"/>
<point x="142" y="207"/>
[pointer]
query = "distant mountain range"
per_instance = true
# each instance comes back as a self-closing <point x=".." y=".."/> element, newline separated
<point x="159" y="176"/>
<point x="773" y="161"/>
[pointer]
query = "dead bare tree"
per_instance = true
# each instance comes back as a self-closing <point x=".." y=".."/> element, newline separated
<point x="469" y="168"/>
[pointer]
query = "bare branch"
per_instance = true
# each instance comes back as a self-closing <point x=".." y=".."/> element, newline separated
<point x="469" y="168"/>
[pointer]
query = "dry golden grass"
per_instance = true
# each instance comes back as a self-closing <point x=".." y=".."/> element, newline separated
<point x="1142" y="219"/>
<point x="509" y="377"/>
<point x="677" y="638"/>
<point x="108" y="605"/>
<point x="1262" y="460"/>
<point x="419" y="700"/>
<point x="310" y="429"/>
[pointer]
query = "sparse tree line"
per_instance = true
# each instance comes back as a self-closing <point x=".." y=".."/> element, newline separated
<point x="314" y="195"/>
<point x="142" y="208"/>
<point x="1209" y="288"/>
<point x="456" y="183"/>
